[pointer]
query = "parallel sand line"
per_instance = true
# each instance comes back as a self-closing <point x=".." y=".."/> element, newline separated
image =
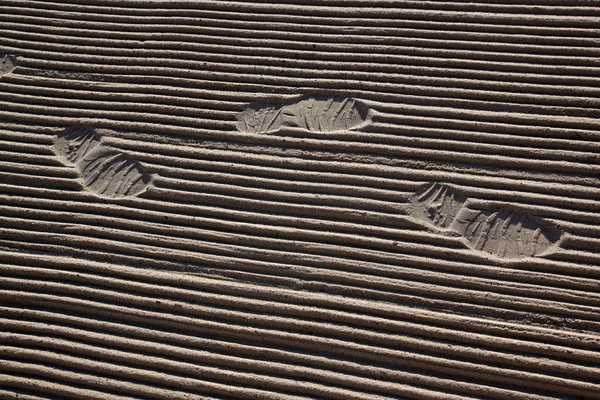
<point x="384" y="132"/>
<point x="407" y="105"/>
<point x="449" y="147"/>
<point x="139" y="83"/>
<point x="208" y="285"/>
<point x="566" y="353"/>
<point x="359" y="35"/>
<point x="515" y="288"/>
<point x="29" y="169"/>
<point x="339" y="379"/>
<point x="213" y="44"/>
<point x="470" y="326"/>
<point x="367" y="352"/>
<point x="580" y="315"/>
<point x="381" y="167"/>
<point x="212" y="108"/>
<point x="48" y="388"/>
<point x="209" y="158"/>
<point x="355" y="382"/>
<point x="568" y="220"/>
<point x="194" y="180"/>
<point x="544" y="7"/>
<point x="292" y="282"/>
<point x="68" y="185"/>
<point x="355" y="318"/>
<point x="485" y="312"/>
<point x="411" y="7"/>
<point x="499" y="204"/>
<point x="407" y="271"/>
<point x="293" y="156"/>
<point x="302" y="165"/>
<point x="445" y="90"/>
<point x="33" y="134"/>
<point x="76" y="373"/>
<point x="176" y="374"/>
<point x="229" y="123"/>
<point x="248" y="213"/>
<point x="178" y="68"/>
<point x="158" y="199"/>
<point x="370" y="338"/>
<point x="404" y="243"/>
<point x="395" y="151"/>
<point x="31" y="159"/>
<point x="181" y="130"/>
<point x="25" y="147"/>
<point x="586" y="224"/>
<point x="464" y="79"/>
<point x="6" y="393"/>
<point x="210" y="154"/>
<point x="166" y="49"/>
<point x="239" y="189"/>
<point x="183" y="351"/>
<point x="276" y="11"/>
<point x="269" y="226"/>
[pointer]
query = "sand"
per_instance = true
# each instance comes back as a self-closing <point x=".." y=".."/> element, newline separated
<point x="380" y="199"/>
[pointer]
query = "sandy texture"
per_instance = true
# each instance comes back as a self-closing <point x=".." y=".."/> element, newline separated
<point x="258" y="200"/>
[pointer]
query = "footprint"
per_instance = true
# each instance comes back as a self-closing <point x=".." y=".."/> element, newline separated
<point x="103" y="171"/>
<point x="504" y="233"/>
<point x="8" y="63"/>
<point x="438" y="204"/>
<point x="314" y="114"/>
<point x="74" y="144"/>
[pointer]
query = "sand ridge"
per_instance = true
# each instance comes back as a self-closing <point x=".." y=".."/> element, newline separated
<point x="283" y="200"/>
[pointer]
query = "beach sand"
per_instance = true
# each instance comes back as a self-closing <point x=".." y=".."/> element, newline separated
<point x="345" y="199"/>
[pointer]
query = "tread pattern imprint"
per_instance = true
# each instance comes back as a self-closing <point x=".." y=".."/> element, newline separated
<point x="344" y="199"/>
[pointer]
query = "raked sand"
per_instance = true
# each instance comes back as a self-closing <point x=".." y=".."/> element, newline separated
<point x="341" y="199"/>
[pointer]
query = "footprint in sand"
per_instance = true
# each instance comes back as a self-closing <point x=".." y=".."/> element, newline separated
<point x="103" y="171"/>
<point x="502" y="232"/>
<point x="8" y="63"/>
<point x="311" y="113"/>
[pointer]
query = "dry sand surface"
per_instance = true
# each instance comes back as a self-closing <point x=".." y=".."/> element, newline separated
<point x="339" y="199"/>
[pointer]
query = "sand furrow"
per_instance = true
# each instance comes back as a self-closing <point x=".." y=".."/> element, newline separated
<point x="549" y="166"/>
<point x="288" y="200"/>
<point x="354" y="319"/>
<point x="45" y="387"/>
<point x="208" y="284"/>
<point x="395" y="357"/>
<point x="358" y="242"/>
<point x="183" y="353"/>
<point x="228" y="256"/>
<point x="290" y="220"/>
<point x="299" y="13"/>
<point x="334" y="62"/>
<point x="212" y="217"/>
<point x="183" y="375"/>
<point x="324" y="167"/>
<point x="383" y="127"/>
<point x="570" y="85"/>
<point x="397" y="192"/>
<point x="64" y="371"/>
<point x="394" y="35"/>
<point x="293" y="77"/>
